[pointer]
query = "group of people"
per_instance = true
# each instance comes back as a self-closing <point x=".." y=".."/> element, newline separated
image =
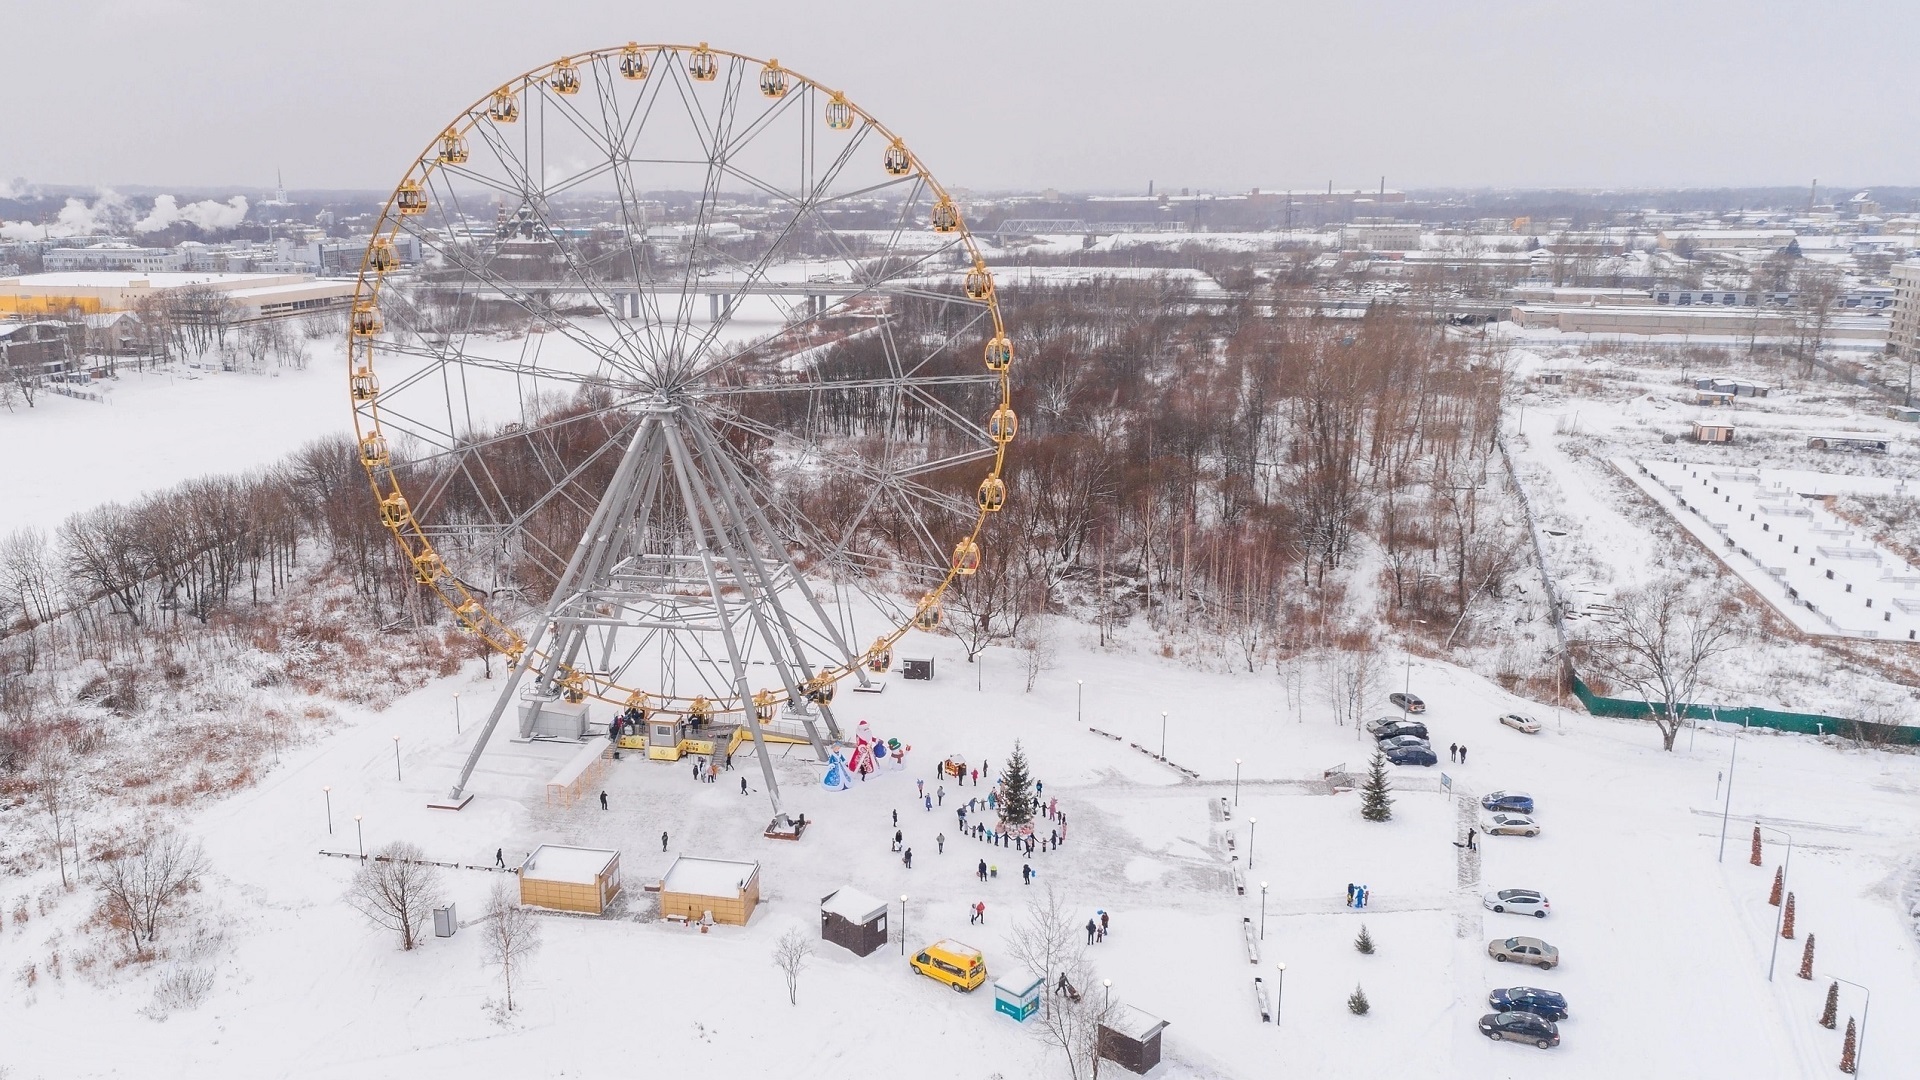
<point x="1457" y="753"/>
<point x="1357" y="896"/>
<point x="1097" y="930"/>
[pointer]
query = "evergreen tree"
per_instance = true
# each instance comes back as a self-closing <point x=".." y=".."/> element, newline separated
<point x="1806" y="961"/>
<point x="1357" y="1002"/>
<point x="1016" y="789"/>
<point x="1848" y="1049"/>
<point x="1376" y="800"/>
<point x="1830" y="1015"/>
<point x="1364" y="942"/>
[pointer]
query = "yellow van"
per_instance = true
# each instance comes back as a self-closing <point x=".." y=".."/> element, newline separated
<point x="959" y="966"/>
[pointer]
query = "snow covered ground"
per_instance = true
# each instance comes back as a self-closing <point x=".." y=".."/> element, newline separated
<point x="158" y="428"/>
<point x="1665" y="948"/>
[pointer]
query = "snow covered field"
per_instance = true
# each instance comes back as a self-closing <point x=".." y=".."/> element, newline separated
<point x="158" y="428"/>
<point x="1665" y="949"/>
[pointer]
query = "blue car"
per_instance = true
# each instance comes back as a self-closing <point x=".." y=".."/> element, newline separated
<point x="1518" y="802"/>
<point x="1529" y="999"/>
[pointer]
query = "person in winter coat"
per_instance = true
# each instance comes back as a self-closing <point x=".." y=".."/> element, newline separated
<point x="500" y="858"/>
<point x="1103" y="923"/>
<point x="1026" y="874"/>
<point x="973" y="914"/>
<point x="1092" y="928"/>
<point x="1470" y="842"/>
<point x="896" y="817"/>
<point x="603" y="800"/>
<point x="897" y="838"/>
<point x="1463" y="753"/>
<point x="908" y="858"/>
<point x="976" y="778"/>
<point x="940" y="794"/>
<point x="928" y="800"/>
<point x="940" y="844"/>
<point x="983" y="870"/>
<point x="1350" y="888"/>
<point x="663" y="841"/>
<point x="980" y="909"/>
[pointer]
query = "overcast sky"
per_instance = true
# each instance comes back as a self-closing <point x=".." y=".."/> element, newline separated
<point x="1082" y="96"/>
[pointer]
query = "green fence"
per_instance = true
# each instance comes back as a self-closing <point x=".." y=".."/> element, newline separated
<point x="1803" y="723"/>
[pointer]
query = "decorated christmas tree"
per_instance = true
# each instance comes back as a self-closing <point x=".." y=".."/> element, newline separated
<point x="1786" y="922"/>
<point x="1848" y="1049"/>
<point x="1755" y="857"/>
<point x="1831" y="1014"/>
<point x="1779" y="883"/>
<point x="1016" y="789"/>
<point x="1376" y="799"/>
<point x="1806" y="960"/>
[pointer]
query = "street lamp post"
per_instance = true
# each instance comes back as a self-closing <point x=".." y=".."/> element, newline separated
<point x="1860" y="1046"/>
<point x="1163" y="736"/>
<point x="396" y="757"/>
<point x="1279" y="991"/>
<point x="1726" y="807"/>
<point x="327" y="790"/>
<point x="359" y="837"/>
<point x="1108" y="984"/>
<point x="903" y="924"/>
<point x="456" y="712"/>
<point x="1236" y="781"/>
<point x="1251" y="822"/>
<point x="1079" y="701"/>
<point x="1263" y="911"/>
<point x="1780" y="913"/>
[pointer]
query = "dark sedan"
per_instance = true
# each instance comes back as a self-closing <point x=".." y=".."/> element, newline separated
<point x="1412" y="755"/>
<point x="1529" y="999"/>
<point x="1401" y="727"/>
<point x="1518" y="802"/>
<point x="1520" y="1027"/>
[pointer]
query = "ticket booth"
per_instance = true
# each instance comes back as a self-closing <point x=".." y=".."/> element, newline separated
<point x="1018" y="995"/>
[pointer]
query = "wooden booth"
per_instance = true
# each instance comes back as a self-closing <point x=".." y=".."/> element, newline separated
<point x="694" y="887"/>
<point x="570" y="878"/>
<point x="1130" y="1038"/>
<point x="854" y="921"/>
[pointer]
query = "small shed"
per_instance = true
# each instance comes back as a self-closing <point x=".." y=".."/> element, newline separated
<point x="693" y="887"/>
<point x="570" y="878"/>
<point x="854" y="921"/>
<point x="1712" y="431"/>
<point x="1130" y="1038"/>
<point x="1018" y="995"/>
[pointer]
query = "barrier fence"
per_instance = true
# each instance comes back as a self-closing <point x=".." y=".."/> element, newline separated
<point x="1800" y="723"/>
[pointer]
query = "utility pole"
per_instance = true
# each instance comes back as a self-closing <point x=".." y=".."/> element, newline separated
<point x="1728" y="805"/>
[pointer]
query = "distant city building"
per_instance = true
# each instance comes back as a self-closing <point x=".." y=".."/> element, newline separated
<point x="1905" y="336"/>
<point x="112" y="256"/>
<point x="92" y="292"/>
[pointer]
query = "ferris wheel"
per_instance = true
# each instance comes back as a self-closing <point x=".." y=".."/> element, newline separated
<point x="682" y="383"/>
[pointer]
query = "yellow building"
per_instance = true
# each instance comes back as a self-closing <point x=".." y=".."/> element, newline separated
<point x="90" y="292"/>
<point x="694" y="887"/>
<point x="570" y="878"/>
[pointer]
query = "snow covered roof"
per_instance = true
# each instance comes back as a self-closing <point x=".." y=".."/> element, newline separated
<point x="853" y="905"/>
<point x="571" y="865"/>
<point x="1135" y="1024"/>
<point x="708" y="877"/>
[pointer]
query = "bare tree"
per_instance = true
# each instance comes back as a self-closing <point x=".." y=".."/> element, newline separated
<point x="790" y="954"/>
<point x="1657" y="644"/>
<point x="1352" y="683"/>
<point x="1038" y="650"/>
<point x="1047" y="942"/>
<point x="1072" y="1022"/>
<point x="139" y="883"/>
<point x="512" y="934"/>
<point x="51" y="777"/>
<point x="397" y="890"/>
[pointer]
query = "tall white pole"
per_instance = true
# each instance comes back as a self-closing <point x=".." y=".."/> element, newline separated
<point x="1728" y="805"/>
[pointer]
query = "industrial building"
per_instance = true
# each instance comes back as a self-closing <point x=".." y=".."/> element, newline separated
<point x="90" y="292"/>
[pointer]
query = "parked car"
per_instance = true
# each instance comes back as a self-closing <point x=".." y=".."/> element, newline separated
<point x="1509" y="825"/>
<point x="1402" y="727"/>
<point x="1530" y="999"/>
<point x="1381" y="726"/>
<point x="1520" y="723"/>
<point x="1518" y="901"/>
<point x="1517" y="802"/>
<point x="1409" y="702"/>
<point x="1521" y="1027"/>
<point x="1397" y="742"/>
<point x="1524" y="950"/>
<point x="1412" y="755"/>
<point x="959" y="966"/>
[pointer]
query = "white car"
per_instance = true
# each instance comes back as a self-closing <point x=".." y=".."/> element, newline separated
<point x="1521" y="723"/>
<point x="1509" y="825"/>
<point x="1518" y="901"/>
